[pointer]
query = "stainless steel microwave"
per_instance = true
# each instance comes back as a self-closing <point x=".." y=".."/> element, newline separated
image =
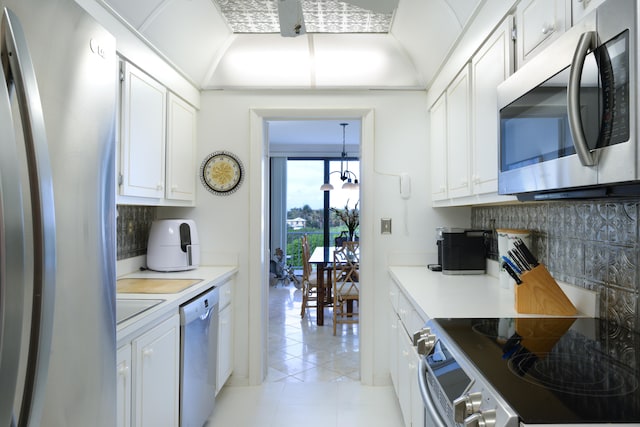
<point x="568" y="116"/>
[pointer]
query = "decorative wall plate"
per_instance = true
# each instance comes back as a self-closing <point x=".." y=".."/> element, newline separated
<point x="221" y="173"/>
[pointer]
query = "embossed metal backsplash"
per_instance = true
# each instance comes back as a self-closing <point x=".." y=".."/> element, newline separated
<point x="592" y="244"/>
<point x="133" y="225"/>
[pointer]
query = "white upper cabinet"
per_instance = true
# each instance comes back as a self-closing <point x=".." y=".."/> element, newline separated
<point x="181" y="150"/>
<point x="538" y="23"/>
<point x="143" y="115"/>
<point x="581" y="8"/>
<point x="458" y="135"/>
<point x="464" y="126"/>
<point x="157" y="143"/>
<point x="490" y="66"/>
<point x="438" y="139"/>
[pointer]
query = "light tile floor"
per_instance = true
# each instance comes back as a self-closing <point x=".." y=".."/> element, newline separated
<point x="313" y="377"/>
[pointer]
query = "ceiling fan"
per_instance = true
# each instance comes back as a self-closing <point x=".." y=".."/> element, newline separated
<point x="292" y="19"/>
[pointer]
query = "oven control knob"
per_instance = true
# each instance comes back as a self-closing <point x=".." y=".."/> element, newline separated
<point x="420" y="334"/>
<point x="466" y="405"/>
<point x="481" y="419"/>
<point x="425" y="344"/>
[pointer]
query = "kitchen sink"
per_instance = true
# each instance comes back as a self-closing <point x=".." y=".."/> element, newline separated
<point x="127" y="308"/>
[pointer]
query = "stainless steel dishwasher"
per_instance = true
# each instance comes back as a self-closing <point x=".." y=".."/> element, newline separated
<point x="198" y="353"/>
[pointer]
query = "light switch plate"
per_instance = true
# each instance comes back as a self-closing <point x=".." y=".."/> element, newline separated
<point x="385" y="225"/>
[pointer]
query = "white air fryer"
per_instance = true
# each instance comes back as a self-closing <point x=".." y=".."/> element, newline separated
<point x="173" y="245"/>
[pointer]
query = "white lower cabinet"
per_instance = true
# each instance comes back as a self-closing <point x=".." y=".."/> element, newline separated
<point x="225" y="337"/>
<point x="404" y="358"/>
<point x="156" y="356"/>
<point x="123" y="381"/>
<point x="148" y="372"/>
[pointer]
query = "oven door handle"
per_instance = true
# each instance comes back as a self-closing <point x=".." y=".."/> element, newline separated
<point x="426" y="395"/>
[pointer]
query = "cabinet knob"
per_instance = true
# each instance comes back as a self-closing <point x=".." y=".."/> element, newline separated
<point x="123" y="371"/>
<point x="159" y="186"/>
<point x="546" y="29"/>
<point x="147" y="352"/>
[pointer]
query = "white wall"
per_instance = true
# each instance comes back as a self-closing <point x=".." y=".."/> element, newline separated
<point x="398" y="144"/>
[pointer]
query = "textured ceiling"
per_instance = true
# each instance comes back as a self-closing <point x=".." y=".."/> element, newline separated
<point x="320" y="16"/>
<point x="355" y="51"/>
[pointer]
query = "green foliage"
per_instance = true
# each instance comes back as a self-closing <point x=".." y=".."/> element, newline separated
<point x="314" y="231"/>
<point x="349" y="217"/>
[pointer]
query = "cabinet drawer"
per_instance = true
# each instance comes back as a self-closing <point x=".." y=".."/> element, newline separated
<point x="225" y="295"/>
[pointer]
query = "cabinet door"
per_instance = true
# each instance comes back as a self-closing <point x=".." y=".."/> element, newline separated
<point x="404" y="375"/>
<point x="157" y="365"/>
<point x="225" y="346"/>
<point x="539" y="22"/>
<point x="438" y="133"/>
<point x="143" y="115"/>
<point x="458" y="135"/>
<point x="181" y="148"/>
<point x="490" y="66"/>
<point x="394" y="350"/>
<point x="581" y="8"/>
<point x="123" y="390"/>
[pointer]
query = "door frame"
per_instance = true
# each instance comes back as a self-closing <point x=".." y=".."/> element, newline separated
<point x="259" y="225"/>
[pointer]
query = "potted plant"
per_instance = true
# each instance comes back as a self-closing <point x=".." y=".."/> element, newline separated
<point x="350" y="218"/>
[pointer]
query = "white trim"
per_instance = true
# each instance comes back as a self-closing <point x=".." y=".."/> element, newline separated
<point x="259" y="219"/>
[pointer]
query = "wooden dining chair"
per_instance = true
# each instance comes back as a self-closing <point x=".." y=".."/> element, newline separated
<point x="309" y="280"/>
<point x="346" y="284"/>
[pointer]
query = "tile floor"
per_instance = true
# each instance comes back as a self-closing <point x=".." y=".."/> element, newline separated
<point x="313" y="378"/>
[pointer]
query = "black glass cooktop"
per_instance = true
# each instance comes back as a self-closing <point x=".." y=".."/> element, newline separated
<point x="555" y="370"/>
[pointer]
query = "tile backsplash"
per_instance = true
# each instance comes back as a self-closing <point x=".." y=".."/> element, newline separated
<point x="591" y="244"/>
<point x="134" y="223"/>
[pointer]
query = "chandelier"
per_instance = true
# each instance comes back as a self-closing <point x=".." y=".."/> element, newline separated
<point x="349" y="179"/>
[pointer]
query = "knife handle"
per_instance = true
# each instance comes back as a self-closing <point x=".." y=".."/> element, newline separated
<point x="511" y="273"/>
<point x="524" y="250"/>
<point x="511" y="264"/>
<point x="519" y="260"/>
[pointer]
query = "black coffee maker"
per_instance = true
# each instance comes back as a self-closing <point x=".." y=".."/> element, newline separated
<point x="461" y="251"/>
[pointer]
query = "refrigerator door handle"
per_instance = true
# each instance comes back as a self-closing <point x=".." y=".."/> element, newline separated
<point x="12" y="260"/>
<point x="20" y="75"/>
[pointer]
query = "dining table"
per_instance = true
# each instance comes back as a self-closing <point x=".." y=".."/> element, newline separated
<point x="322" y="257"/>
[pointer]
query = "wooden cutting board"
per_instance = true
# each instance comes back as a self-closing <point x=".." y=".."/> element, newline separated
<point x="154" y="286"/>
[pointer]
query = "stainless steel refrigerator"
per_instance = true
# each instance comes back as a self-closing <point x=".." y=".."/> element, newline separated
<point x="57" y="217"/>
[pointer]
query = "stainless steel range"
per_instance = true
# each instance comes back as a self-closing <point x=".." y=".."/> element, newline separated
<point x="527" y="371"/>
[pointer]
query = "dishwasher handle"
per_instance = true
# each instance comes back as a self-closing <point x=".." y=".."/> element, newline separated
<point x="199" y="307"/>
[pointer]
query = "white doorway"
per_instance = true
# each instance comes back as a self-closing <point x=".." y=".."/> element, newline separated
<point x="259" y="248"/>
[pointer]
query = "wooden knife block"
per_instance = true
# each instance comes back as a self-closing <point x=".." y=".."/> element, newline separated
<point x="540" y="294"/>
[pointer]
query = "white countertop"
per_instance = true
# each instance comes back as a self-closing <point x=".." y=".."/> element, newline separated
<point x="440" y="295"/>
<point x="209" y="275"/>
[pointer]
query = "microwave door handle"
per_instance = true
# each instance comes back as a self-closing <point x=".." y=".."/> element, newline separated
<point x="586" y="43"/>
<point x="20" y="75"/>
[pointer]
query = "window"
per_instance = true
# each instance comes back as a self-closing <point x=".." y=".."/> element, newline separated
<point x="307" y="208"/>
